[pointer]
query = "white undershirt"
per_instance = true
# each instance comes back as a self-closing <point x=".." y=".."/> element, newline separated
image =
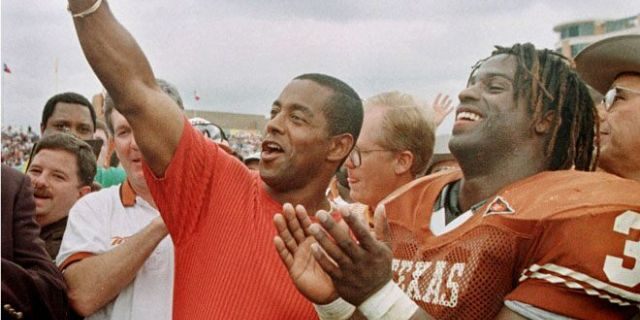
<point x="438" y="223"/>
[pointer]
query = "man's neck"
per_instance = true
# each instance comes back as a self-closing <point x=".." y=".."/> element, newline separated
<point x="633" y="175"/>
<point x="311" y="196"/>
<point x="480" y="186"/>
<point x="395" y="185"/>
<point x="628" y="172"/>
<point x="45" y="230"/>
<point x="142" y="190"/>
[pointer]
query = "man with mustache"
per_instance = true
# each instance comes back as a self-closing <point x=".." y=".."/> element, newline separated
<point x="61" y="171"/>
<point x="218" y="212"/>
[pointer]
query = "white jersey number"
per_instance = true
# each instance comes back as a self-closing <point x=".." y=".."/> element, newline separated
<point x="613" y="265"/>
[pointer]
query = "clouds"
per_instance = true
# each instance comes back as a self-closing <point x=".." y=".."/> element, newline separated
<point x="238" y="55"/>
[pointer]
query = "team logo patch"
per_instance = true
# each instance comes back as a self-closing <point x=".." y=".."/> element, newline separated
<point x="499" y="206"/>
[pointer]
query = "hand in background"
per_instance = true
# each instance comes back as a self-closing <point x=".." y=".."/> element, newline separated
<point x="441" y="108"/>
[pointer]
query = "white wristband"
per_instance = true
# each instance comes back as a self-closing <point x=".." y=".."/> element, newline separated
<point x="338" y="309"/>
<point x="390" y="302"/>
<point x="87" y="12"/>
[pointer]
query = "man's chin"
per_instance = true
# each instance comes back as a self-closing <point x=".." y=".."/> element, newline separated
<point x="40" y="205"/>
<point x="40" y="217"/>
<point x="275" y="181"/>
<point x="268" y="176"/>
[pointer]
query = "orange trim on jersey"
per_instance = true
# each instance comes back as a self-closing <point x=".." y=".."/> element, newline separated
<point x="75" y="258"/>
<point x="127" y="194"/>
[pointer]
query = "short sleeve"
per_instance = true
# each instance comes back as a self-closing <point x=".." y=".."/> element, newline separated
<point x="192" y="183"/>
<point x="585" y="266"/>
<point x="86" y="233"/>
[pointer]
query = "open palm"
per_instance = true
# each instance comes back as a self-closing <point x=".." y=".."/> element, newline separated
<point x="294" y="248"/>
<point x="308" y="276"/>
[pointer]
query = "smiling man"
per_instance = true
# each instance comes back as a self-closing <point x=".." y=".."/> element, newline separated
<point x="515" y="234"/>
<point x="61" y="171"/>
<point x="218" y="212"/>
<point x="394" y="148"/>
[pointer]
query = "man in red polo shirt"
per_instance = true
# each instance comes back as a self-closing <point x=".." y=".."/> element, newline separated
<point x="219" y="213"/>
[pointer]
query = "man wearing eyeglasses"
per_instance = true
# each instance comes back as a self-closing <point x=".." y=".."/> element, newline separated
<point x="612" y="66"/>
<point x="395" y="147"/>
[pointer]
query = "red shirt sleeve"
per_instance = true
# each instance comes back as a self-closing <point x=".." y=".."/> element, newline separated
<point x="197" y="170"/>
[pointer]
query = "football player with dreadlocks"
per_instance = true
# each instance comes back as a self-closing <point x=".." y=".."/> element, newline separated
<point x="523" y="230"/>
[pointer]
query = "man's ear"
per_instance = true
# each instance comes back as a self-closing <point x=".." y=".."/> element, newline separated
<point x="544" y="123"/>
<point x="41" y="128"/>
<point x="340" y="147"/>
<point x="84" y="190"/>
<point x="403" y="163"/>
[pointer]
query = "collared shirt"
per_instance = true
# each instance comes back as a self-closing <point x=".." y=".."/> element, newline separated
<point x="52" y="236"/>
<point x="100" y="222"/>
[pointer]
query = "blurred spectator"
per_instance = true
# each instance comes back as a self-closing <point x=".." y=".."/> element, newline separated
<point x="214" y="132"/>
<point x="16" y="145"/>
<point x="245" y="142"/>
<point x="252" y="161"/>
<point x="208" y="129"/>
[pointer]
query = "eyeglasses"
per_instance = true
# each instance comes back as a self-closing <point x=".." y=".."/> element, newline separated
<point x="356" y="155"/>
<point x="612" y="95"/>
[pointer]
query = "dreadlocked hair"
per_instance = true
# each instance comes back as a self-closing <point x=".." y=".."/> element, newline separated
<point x="548" y="81"/>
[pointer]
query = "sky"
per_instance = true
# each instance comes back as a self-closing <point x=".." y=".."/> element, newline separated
<point x="239" y="55"/>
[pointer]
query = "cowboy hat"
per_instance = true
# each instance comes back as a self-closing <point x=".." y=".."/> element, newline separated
<point x="601" y="62"/>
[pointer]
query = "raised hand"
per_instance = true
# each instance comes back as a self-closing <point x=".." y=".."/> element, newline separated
<point x="293" y="246"/>
<point x="441" y="108"/>
<point x="358" y="267"/>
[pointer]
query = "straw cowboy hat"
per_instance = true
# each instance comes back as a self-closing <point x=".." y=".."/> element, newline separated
<point x="601" y="62"/>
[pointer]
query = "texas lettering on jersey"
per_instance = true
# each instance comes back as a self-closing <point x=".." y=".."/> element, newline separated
<point x="567" y="242"/>
<point x="442" y="278"/>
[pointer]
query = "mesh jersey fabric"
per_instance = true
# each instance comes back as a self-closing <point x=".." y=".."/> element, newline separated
<point x="543" y="241"/>
<point x="221" y="220"/>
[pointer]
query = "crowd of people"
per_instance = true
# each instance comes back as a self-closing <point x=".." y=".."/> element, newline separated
<point x="17" y="144"/>
<point x="245" y="143"/>
<point x="353" y="209"/>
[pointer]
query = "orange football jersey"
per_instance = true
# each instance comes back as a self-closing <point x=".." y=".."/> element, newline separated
<point x="564" y="241"/>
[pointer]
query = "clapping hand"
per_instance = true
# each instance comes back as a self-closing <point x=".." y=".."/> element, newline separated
<point x="358" y="267"/>
<point x="293" y="244"/>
